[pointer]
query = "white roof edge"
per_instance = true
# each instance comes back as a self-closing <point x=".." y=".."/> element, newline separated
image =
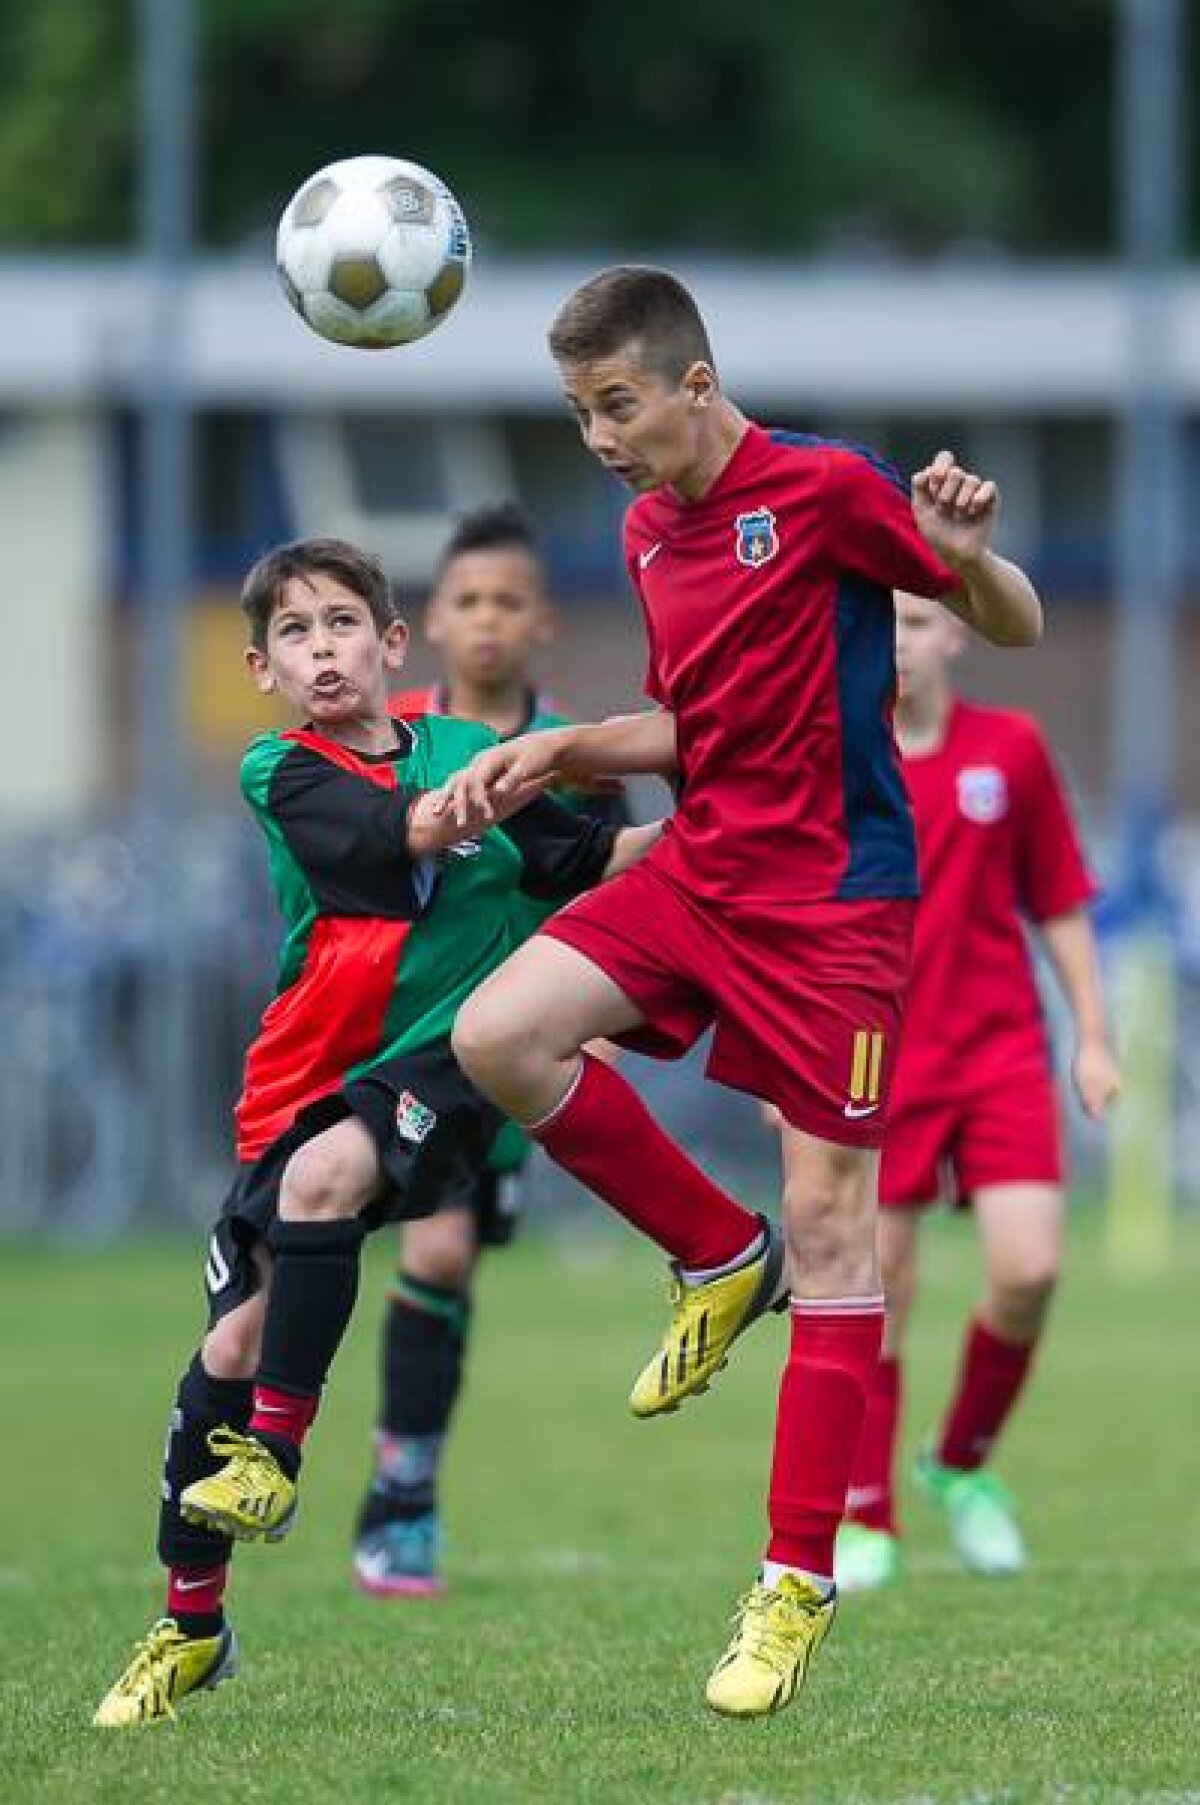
<point x="996" y="337"/>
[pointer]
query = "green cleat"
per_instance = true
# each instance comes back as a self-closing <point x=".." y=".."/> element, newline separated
<point x="865" y="1559"/>
<point x="980" y="1514"/>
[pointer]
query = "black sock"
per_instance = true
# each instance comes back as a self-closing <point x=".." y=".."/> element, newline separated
<point x="201" y="1403"/>
<point x="423" y="1348"/>
<point x="200" y="1625"/>
<point x="314" y="1284"/>
<point x="424" y="1343"/>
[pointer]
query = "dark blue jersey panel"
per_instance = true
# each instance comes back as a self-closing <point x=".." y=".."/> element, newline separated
<point x="879" y="826"/>
<point x="815" y="442"/>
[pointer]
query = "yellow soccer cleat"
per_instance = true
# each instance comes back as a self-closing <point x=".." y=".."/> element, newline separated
<point x="250" y="1498"/>
<point x="705" y="1320"/>
<point x="165" y="1668"/>
<point x="779" y="1630"/>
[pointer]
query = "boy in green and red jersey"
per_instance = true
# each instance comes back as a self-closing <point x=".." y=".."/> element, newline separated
<point x="353" y="1111"/>
<point x="488" y="614"/>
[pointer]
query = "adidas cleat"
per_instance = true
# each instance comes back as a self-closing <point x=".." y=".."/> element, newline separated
<point x="250" y="1498"/>
<point x="779" y="1630"/>
<point x="165" y="1669"/>
<point x="706" y="1319"/>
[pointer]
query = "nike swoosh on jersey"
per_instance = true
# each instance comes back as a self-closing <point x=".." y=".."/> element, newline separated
<point x="649" y="555"/>
<point x="854" y="1110"/>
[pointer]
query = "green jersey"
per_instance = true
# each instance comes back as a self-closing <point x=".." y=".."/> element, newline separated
<point x="380" y="949"/>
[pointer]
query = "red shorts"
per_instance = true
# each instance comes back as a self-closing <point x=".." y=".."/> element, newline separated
<point x="1010" y="1133"/>
<point x="805" y="1002"/>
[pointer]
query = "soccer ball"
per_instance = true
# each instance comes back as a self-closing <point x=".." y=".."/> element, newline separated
<point x="373" y="252"/>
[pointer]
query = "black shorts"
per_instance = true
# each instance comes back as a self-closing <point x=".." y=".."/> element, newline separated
<point x="432" y="1130"/>
<point x="498" y="1201"/>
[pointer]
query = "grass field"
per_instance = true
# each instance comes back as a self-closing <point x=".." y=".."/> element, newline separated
<point x="594" y="1562"/>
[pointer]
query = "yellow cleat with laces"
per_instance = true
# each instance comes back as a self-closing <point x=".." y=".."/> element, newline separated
<point x="779" y="1630"/>
<point x="706" y="1318"/>
<point x="250" y="1498"/>
<point x="165" y="1669"/>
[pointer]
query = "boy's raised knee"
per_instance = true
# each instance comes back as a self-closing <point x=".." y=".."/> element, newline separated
<point x="319" y="1185"/>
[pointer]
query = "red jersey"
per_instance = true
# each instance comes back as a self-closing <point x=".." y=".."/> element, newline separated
<point x="769" y="615"/>
<point x="997" y="843"/>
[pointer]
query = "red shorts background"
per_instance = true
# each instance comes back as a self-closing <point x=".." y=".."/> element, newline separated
<point x="805" y="1002"/>
<point x="1008" y="1133"/>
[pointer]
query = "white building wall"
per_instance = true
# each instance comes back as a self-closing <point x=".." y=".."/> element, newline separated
<point x="52" y="533"/>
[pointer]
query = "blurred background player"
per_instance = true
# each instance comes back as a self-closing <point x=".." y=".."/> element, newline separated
<point x="974" y="1096"/>
<point x="488" y="614"/>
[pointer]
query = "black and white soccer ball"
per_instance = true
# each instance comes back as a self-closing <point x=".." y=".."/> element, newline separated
<point x="373" y="252"/>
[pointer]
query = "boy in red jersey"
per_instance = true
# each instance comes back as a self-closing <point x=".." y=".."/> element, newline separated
<point x="778" y="906"/>
<point x="973" y="1090"/>
<point x="488" y="615"/>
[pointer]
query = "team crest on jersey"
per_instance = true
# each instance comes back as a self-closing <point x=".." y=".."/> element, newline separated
<point x="982" y="793"/>
<point x="755" y="539"/>
<point x="414" y="1122"/>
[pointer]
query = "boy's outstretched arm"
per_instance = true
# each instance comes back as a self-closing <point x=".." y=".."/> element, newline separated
<point x="617" y="747"/>
<point x="957" y="512"/>
<point x="432" y="829"/>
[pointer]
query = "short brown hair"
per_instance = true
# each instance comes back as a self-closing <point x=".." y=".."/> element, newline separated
<point x="629" y="304"/>
<point x="356" y="570"/>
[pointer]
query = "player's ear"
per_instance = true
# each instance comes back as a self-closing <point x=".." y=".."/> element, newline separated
<point x="259" y="667"/>
<point x="700" y="381"/>
<point x="395" y="645"/>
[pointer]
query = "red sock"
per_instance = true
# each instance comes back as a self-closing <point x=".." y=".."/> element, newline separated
<point x="822" y="1403"/>
<point x="870" y="1499"/>
<point x="284" y="1414"/>
<point x="990" y="1377"/>
<point x="605" y="1137"/>
<point x="196" y="1591"/>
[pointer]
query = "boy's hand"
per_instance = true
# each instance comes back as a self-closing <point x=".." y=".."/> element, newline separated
<point x="431" y="829"/>
<point x="499" y="780"/>
<point x="1096" y="1076"/>
<point x="955" y="510"/>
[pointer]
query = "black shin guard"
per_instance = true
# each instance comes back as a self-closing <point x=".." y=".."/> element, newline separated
<point x="314" y="1284"/>
<point x="201" y="1403"/>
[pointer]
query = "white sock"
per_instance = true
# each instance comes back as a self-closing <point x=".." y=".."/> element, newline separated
<point x="773" y="1572"/>
<point x="700" y="1275"/>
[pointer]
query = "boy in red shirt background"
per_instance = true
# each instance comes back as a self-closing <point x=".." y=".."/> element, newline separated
<point x="973" y="1091"/>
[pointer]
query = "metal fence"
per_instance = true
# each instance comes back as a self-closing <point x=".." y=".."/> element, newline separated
<point x="89" y="1128"/>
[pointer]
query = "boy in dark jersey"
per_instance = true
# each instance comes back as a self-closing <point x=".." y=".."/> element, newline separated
<point x="488" y="614"/>
<point x="353" y="1111"/>
<point x="973" y="1095"/>
<point x="778" y="907"/>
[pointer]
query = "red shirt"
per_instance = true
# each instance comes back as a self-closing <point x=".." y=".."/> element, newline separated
<point x="769" y="616"/>
<point x="997" y="843"/>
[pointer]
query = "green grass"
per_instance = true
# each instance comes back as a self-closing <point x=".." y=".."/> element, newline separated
<point x="594" y="1561"/>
